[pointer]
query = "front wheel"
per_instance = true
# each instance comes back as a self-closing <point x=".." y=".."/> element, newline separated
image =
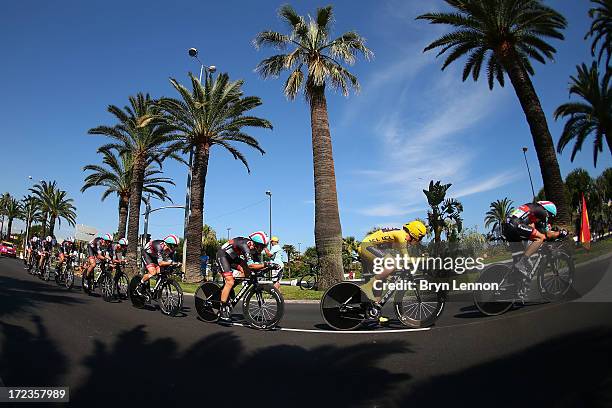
<point x="307" y="282"/>
<point x="500" y="297"/>
<point x="86" y="283"/>
<point x="171" y="298"/>
<point x="107" y="286"/>
<point x="208" y="301"/>
<point x="419" y="308"/>
<point x="556" y="277"/>
<point x="263" y="307"/>
<point x="122" y="285"/>
<point x="344" y="306"/>
<point x="68" y="278"/>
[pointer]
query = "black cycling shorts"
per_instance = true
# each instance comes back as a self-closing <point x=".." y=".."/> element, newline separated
<point x="226" y="262"/>
<point x="148" y="259"/>
<point x="515" y="231"/>
<point x="91" y="253"/>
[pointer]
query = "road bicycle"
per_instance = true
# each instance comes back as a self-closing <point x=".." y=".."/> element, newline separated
<point x="263" y="305"/>
<point x="345" y="306"/>
<point x="167" y="291"/>
<point x="310" y="280"/>
<point x="553" y="266"/>
<point x="102" y="278"/>
<point x="32" y="263"/>
<point x="120" y="282"/>
<point x="64" y="275"/>
<point x="44" y="271"/>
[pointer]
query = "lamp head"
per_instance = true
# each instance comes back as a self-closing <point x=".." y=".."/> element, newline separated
<point x="193" y="52"/>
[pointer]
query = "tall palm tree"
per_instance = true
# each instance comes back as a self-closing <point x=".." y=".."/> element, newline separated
<point x="499" y="210"/>
<point x="141" y="132"/>
<point x="30" y="211"/>
<point x="601" y="29"/>
<point x="4" y="199"/>
<point x="591" y="117"/>
<point x="314" y="51"/>
<point x="213" y="114"/>
<point x="12" y="211"/>
<point x="55" y="204"/>
<point x="506" y="35"/>
<point x="116" y="177"/>
<point x="42" y="193"/>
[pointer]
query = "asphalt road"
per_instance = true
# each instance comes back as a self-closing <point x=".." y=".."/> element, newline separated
<point x="110" y="353"/>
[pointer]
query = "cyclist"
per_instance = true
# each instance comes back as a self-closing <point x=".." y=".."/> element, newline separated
<point x="275" y="253"/>
<point x="116" y="252"/>
<point x="65" y="250"/>
<point x="95" y="252"/>
<point x="243" y="254"/>
<point x="531" y="222"/>
<point x="379" y="244"/>
<point x="155" y="254"/>
<point x="44" y="251"/>
<point x="32" y="248"/>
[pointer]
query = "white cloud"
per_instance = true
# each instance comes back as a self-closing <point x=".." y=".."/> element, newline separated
<point x="429" y="139"/>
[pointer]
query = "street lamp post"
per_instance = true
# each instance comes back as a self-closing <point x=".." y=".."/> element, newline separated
<point x="529" y="172"/>
<point x="193" y="52"/>
<point x="228" y="232"/>
<point x="269" y="194"/>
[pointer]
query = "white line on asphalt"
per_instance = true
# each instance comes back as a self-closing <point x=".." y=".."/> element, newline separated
<point x="340" y="331"/>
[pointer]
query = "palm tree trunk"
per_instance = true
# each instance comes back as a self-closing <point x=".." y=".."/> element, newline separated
<point x="134" y="213"/>
<point x="328" y="232"/>
<point x="124" y="202"/>
<point x="542" y="140"/>
<point x="52" y="225"/>
<point x="9" y="228"/>
<point x="196" y="216"/>
<point x="44" y="225"/>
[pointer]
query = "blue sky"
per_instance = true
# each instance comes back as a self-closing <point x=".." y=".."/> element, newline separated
<point x="64" y="62"/>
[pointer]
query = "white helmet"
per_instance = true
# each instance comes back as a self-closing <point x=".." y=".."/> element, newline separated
<point x="34" y="239"/>
<point x="48" y="239"/>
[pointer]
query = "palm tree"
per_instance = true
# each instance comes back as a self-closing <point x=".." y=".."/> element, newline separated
<point x="12" y="211"/>
<point x="142" y="133"/>
<point x="506" y="35"/>
<point x="290" y="251"/>
<point x="499" y="210"/>
<point x="42" y="192"/>
<point x="4" y="199"/>
<point x="321" y="57"/>
<point x="30" y="212"/>
<point x="601" y="29"/>
<point x="445" y="213"/>
<point x="54" y="204"/>
<point x="116" y="177"/>
<point x="213" y="114"/>
<point x="591" y="117"/>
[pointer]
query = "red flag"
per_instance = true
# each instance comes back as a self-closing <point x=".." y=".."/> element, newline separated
<point x="585" y="228"/>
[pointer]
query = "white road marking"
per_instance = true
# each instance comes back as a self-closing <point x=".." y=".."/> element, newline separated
<point x="340" y="331"/>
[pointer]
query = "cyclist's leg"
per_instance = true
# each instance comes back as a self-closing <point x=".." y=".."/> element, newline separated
<point x="226" y="271"/>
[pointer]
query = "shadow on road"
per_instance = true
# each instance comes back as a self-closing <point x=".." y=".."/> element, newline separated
<point x="216" y="370"/>
<point x="17" y="295"/>
<point x="30" y="358"/>
<point x="570" y="371"/>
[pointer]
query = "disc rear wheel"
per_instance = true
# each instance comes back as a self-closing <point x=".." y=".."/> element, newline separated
<point x="208" y="301"/>
<point x="344" y="306"/>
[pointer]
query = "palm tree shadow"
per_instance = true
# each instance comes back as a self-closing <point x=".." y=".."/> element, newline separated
<point x="30" y="359"/>
<point x="18" y="296"/>
<point x="218" y="370"/>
